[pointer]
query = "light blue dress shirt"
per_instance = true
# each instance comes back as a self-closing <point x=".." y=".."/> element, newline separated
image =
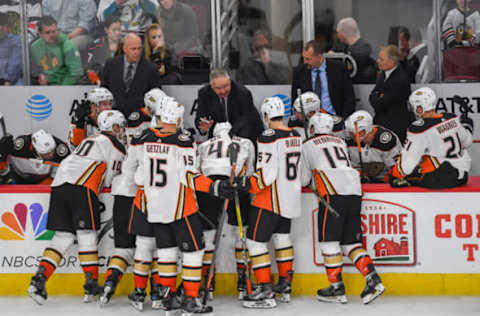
<point x="325" y="97"/>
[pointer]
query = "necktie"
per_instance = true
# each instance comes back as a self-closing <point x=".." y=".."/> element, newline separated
<point x="318" y="84"/>
<point x="129" y="76"/>
<point x="224" y="105"/>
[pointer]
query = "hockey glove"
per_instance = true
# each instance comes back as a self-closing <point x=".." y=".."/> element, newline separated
<point x="222" y="189"/>
<point x="242" y="183"/>
<point x="81" y="113"/>
<point x="399" y="182"/>
<point x="467" y="123"/>
<point x="6" y="147"/>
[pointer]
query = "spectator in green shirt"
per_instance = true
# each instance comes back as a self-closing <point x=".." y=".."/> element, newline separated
<point x="55" y="59"/>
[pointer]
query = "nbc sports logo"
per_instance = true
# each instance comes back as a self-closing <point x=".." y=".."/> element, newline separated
<point x="14" y="225"/>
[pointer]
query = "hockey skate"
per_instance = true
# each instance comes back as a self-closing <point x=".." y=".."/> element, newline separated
<point x="262" y="297"/>
<point x="171" y="304"/>
<point x="137" y="297"/>
<point x="37" y="289"/>
<point x="283" y="288"/>
<point x="192" y="305"/>
<point x="241" y="284"/>
<point x="109" y="287"/>
<point x="157" y="293"/>
<point x="91" y="289"/>
<point x="373" y="289"/>
<point x="335" y="293"/>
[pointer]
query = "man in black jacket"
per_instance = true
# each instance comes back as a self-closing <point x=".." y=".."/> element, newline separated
<point x="390" y="96"/>
<point x="129" y="76"/>
<point x="224" y="100"/>
<point x="334" y="87"/>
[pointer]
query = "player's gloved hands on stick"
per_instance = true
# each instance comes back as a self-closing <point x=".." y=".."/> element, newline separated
<point x="6" y="146"/>
<point x="242" y="183"/>
<point x="80" y="114"/>
<point x="222" y="189"/>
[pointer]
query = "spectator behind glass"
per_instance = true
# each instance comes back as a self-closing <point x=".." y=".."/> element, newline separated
<point x="180" y="25"/>
<point x="74" y="18"/>
<point x="135" y="15"/>
<point x="55" y="60"/>
<point x="412" y="51"/>
<point x="157" y="52"/>
<point x="461" y="27"/>
<point x="103" y="48"/>
<point x="390" y="96"/>
<point x="349" y="35"/>
<point x="260" y="69"/>
<point x="10" y="55"/>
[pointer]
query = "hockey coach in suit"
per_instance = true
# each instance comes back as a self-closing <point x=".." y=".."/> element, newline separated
<point x="328" y="78"/>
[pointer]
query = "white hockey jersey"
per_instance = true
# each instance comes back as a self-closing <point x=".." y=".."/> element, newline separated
<point x="213" y="159"/>
<point x="453" y="27"/>
<point x="168" y="174"/>
<point x="93" y="164"/>
<point x="432" y="141"/>
<point x="325" y="161"/>
<point x="276" y="182"/>
<point x="385" y="148"/>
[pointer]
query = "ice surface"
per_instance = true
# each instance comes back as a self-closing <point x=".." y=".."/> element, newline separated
<point x="300" y="306"/>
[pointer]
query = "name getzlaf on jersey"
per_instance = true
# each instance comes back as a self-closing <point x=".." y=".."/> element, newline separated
<point x="332" y="173"/>
<point x="276" y="181"/>
<point x="168" y="173"/>
<point x="213" y="158"/>
<point x="433" y="141"/>
<point x="94" y="163"/>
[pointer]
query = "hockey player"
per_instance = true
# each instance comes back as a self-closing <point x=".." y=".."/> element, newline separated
<point x="124" y="191"/>
<point x="277" y="189"/>
<point x="84" y="119"/>
<point x="167" y="173"/>
<point x="327" y="168"/>
<point x="31" y="159"/>
<point x="213" y="161"/>
<point x="311" y="104"/>
<point x="74" y="205"/>
<point x="434" y="155"/>
<point x="379" y="147"/>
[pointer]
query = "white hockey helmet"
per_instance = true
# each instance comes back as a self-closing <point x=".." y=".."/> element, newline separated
<point x="43" y="142"/>
<point x="99" y="94"/>
<point x="221" y="129"/>
<point x="310" y="100"/>
<point x="273" y="107"/>
<point x="320" y="123"/>
<point x="422" y="100"/>
<point x="364" y="122"/>
<point x="151" y="97"/>
<point x="169" y="111"/>
<point x="107" y="119"/>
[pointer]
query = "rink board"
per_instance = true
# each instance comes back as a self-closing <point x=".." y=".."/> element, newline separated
<point x="422" y="242"/>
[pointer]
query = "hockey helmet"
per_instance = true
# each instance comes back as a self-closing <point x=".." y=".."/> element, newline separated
<point x="221" y="129"/>
<point x="169" y="111"/>
<point x="320" y="123"/>
<point x="107" y="119"/>
<point x="422" y="100"/>
<point x="272" y="107"/>
<point x="310" y="100"/>
<point x="151" y="97"/>
<point x="43" y="142"/>
<point x="99" y="94"/>
<point x="363" y="120"/>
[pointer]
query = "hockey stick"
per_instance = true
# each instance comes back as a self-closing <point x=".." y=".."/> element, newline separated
<point x="232" y="153"/>
<point x="2" y="125"/>
<point x="359" y="148"/>
<point x="305" y="124"/>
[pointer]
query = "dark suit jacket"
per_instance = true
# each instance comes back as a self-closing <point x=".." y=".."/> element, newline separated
<point x="242" y="114"/>
<point x="390" y="101"/>
<point x="340" y="86"/>
<point x="146" y="77"/>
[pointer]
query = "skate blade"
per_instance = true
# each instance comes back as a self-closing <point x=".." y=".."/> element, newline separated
<point x="266" y="303"/>
<point x="283" y="297"/>
<point x="37" y="298"/>
<point x="88" y="298"/>
<point x="342" y="299"/>
<point x="137" y="305"/>
<point x="104" y="300"/>
<point x="173" y="312"/>
<point x="242" y="295"/>
<point x="379" y="290"/>
<point x="183" y="313"/>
